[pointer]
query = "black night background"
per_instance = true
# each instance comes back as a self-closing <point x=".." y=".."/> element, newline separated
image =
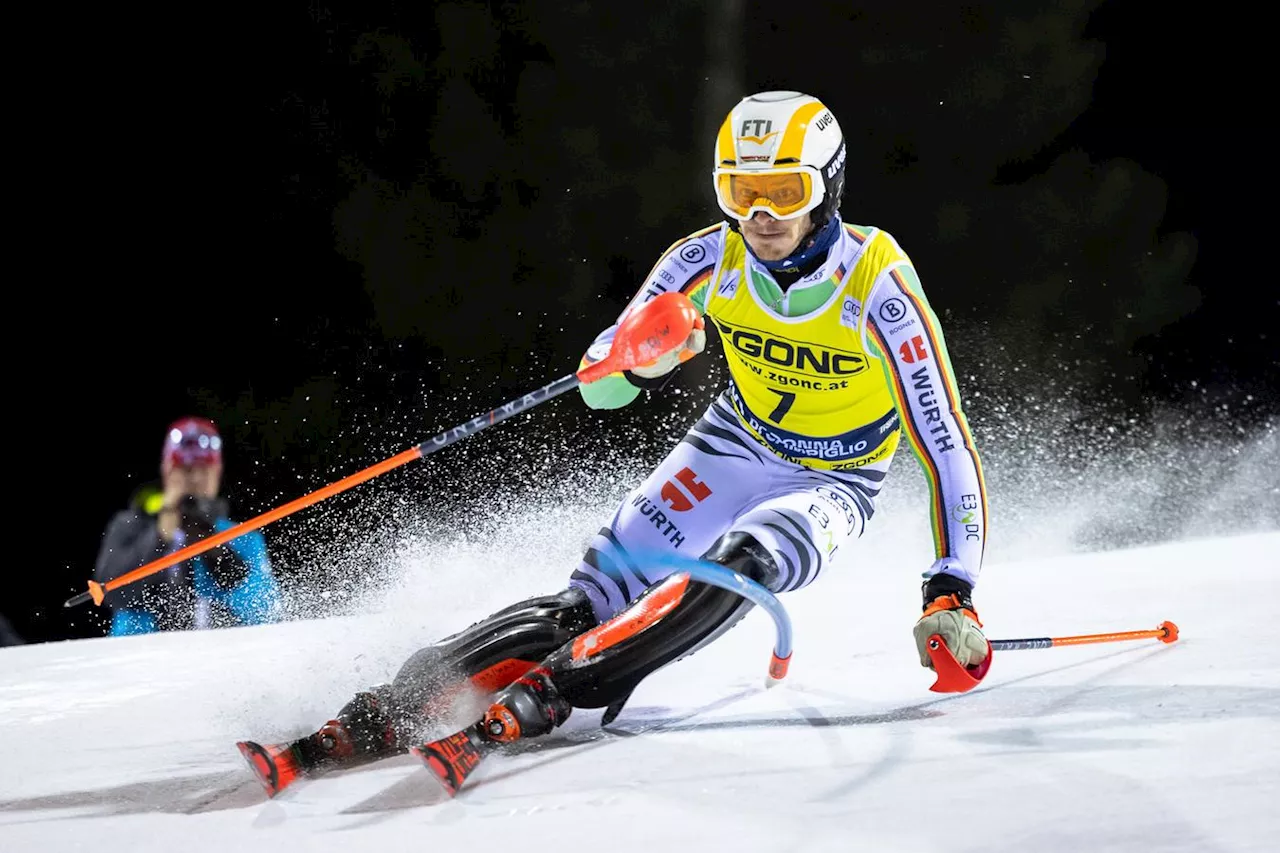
<point x="340" y="228"/>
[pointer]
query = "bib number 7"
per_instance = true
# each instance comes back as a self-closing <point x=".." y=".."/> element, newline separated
<point x="784" y="405"/>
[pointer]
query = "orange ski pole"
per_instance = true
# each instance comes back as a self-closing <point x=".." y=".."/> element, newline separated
<point x="1166" y="633"/>
<point x="660" y="325"/>
<point x="954" y="678"/>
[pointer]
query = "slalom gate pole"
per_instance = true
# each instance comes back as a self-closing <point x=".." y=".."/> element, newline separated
<point x="643" y="336"/>
<point x="954" y="678"/>
<point x="726" y="578"/>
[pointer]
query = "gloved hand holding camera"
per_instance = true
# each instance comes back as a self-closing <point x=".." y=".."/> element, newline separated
<point x="194" y="515"/>
<point x="197" y="515"/>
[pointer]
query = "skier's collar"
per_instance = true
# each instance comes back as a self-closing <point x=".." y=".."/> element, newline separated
<point x="812" y="261"/>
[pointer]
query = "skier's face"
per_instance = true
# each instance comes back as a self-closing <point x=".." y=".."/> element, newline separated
<point x="774" y="239"/>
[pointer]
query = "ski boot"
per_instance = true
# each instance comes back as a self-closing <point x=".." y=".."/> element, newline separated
<point x="361" y="732"/>
<point x="530" y="707"/>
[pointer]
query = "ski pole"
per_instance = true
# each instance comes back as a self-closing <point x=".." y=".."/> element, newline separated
<point x="642" y="337"/>
<point x="954" y="678"/>
<point x="1166" y="633"/>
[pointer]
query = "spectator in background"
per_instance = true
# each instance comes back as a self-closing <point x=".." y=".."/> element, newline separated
<point x="232" y="584"/>
<point x="8" y="636"/>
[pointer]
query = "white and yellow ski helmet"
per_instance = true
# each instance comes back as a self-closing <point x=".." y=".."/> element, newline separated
<point x="782" y="153"/>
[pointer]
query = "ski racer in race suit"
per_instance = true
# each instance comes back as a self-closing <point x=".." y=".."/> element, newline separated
<point x="835" y="359"/>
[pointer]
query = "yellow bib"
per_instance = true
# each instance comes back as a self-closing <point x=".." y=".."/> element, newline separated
<point x="805" y="386"/>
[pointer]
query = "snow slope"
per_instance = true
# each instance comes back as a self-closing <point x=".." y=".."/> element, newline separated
<point x="127" y="744"/>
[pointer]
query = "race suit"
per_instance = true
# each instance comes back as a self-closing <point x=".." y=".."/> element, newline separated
<point x="826" y="378"/>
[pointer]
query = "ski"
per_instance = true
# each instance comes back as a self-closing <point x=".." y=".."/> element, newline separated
<point x="276" y="766"/>
<point x="452" y="759"/>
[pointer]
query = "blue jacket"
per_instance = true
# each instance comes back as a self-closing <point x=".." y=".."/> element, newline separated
<point x="232" y="584"/>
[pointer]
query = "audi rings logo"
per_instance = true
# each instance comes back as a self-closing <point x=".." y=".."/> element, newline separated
<point x="850" y="311"/>
<point x="693" y="253"/>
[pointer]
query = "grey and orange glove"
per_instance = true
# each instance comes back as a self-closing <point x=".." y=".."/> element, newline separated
<point x="949" y="613"/>
<point x="669" y="361"/>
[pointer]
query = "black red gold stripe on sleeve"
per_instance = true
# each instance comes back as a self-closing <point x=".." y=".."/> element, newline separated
<point x="699" y="280"/>
<point x="948" y="381"/>
<point x="937" y="516"/>
<point x="859" y="235"/>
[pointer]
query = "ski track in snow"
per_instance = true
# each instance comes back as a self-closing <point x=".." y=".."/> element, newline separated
<point x="127" y="744"/>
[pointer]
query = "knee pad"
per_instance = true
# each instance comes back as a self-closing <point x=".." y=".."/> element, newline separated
<point x="743" y="553"/>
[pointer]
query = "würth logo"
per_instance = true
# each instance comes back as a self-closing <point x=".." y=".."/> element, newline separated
<point x="677" y="499"/>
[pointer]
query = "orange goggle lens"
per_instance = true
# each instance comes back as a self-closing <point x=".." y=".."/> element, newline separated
<point x="783" y="194"/>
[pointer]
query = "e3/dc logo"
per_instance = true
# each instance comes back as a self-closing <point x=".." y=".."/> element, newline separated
<point x="966" y="512"/>
<point x="893" y="310"/>
<point x="693" y="253"/>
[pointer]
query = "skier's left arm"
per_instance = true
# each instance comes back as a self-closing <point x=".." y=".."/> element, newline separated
<point x="905" y="331"/>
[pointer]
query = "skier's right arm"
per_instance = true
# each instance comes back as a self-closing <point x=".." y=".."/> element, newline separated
<point x="687" y="266"/>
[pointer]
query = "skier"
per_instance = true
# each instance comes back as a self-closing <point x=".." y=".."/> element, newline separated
<point x="834" y="357"/>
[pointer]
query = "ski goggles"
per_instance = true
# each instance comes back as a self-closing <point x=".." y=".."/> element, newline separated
<point x="192" y="443"/>
<point x="781" y="194"/>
